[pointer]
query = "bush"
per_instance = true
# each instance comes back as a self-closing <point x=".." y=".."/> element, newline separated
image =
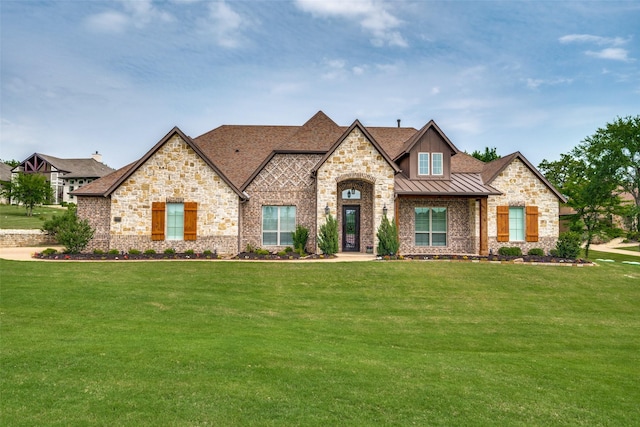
<point x="169" y="251"/>
<point x="262" y="251"/>
<point x="535" y="252"/>
<point x="189" y="252"/>
<point x="69" y="231"/>
<point x="150" y="252"/>
<point x="207" y="252"/>
<point x="113" y="252"/>
<point x="134" y="252"/>
<point x="250" y="248"/>
<point x="300" y="237"/>
<point x="634" y="236"/>
<point x="510" y="251"/>
<point x="98" y="252"/>
<point x="49" y="251"/>
<point x="388" y="242"/>
<point x="568" y="245"/>
<point x="328" y="236"/>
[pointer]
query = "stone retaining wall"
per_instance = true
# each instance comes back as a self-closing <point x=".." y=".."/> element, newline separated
<point x="22" y="238"/>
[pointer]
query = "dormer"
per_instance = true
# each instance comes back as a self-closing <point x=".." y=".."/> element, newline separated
<point x="427" y="155"/>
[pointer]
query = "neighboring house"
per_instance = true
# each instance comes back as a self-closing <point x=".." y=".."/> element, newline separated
<point x="251" y="185"/>
<point x="5" y="177"/>
<point x="65" y="175"/>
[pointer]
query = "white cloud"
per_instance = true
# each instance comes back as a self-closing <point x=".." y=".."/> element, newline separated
<point x="536" y="83"/>
<point x="225" y="24"/>
<point x="372" y="16"/>
<point x="612" y="51"/>
<point x="107" y="22"/>
<point x="138" y="13"/>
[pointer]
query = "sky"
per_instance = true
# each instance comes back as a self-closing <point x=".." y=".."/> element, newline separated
<point x="81" y="76"/>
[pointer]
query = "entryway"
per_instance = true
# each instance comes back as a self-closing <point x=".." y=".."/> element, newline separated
<point x="350" y="228"/>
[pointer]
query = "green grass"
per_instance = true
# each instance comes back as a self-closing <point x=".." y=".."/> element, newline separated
<point x="15" y="217"/>
<point x="630" y="248"/>
<point x="595" y="255"/>
<point x="316" y="344"/>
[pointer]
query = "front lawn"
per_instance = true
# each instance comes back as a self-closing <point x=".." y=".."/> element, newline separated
<point x="15" y="217"/>
<point x="363" y="343"/>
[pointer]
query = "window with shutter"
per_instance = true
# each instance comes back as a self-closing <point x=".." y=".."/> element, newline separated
<point x="503" y="223"/>
<point x="532" y="224"/>
<point x="157" y="220"/>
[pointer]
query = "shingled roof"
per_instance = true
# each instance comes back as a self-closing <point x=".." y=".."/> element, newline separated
<point x="78" y="168"/>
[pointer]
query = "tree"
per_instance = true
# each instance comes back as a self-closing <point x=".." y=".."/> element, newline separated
<point x="615" y="150"/>
<point x="328" y="236"/>
<point x="590" y="188"/>
<point x="69" y="231"/>
<point x="388" y="242"/>
<point x="31" y="189"/>
<point x="13" y="163"/>
<point x="489" y="154"/>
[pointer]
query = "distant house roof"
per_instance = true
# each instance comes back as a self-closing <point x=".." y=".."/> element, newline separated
<point x="71" y="168"/>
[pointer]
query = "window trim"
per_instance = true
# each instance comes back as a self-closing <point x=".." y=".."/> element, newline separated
<point x="517" y="232"/>
<point x="428" y="171"/>
<point x="278" y="231"/>
<point x="430" y="231"/>
<point x="433" y="168"/>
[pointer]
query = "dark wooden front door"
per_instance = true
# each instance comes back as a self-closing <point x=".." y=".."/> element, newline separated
<point x="351" y="229"/>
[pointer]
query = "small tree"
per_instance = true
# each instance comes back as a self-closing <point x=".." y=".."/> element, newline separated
<point x="69" y="231"/>
<point x="328" y="236"/>
<point x="388" y="242"/>
<point x="31" y="189"/>
<point x="300" y="237"/>
<point x="568" y="245"/>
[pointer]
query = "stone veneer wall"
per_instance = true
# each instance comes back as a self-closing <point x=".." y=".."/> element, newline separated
<point x="521" y="187"/>
<point x="96" y="210"/>
<point x="355" y="158"/>
<point x="285" y="181"/>
<point x="175" y="172"/>
<point x="22" y="238"/>
<point x="460" y="230"/>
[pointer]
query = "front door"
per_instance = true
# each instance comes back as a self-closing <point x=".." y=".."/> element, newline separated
<point x="351" y="229"/>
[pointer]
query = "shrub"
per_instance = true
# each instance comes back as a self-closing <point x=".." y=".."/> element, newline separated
<point x="328" y="236"/>
<point x="207" y="252"/>
<point x="98" y="252"/>
<point x="535" y="252"/>
<point x="288" y="249"/>
<point x="189" y="252"/>
<point x="69" y="231"/>
<point x="134" y="252"/>
<point x="262" y="251"/>
<point x="250" y="248"/>
<point x="388" y="242"/>
<point x="149" y="252"/>
<point x="568" y="245"/>
<point x="113" y="252"/>
<point x="300" y="237"/>
<point x="634" y="236"/>
<point x="49" y="251"/>
<point x="510" y="251"/>
<point x="169" y="251"/>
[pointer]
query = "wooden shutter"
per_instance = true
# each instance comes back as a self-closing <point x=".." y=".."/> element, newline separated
<point x="531" y="224"/>
<point x="157" y="220"/>
<point x="503" y="223"/>
<point x="190" y="220"/>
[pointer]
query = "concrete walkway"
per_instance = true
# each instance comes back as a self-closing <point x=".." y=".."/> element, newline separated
<point x="612" y="246"/>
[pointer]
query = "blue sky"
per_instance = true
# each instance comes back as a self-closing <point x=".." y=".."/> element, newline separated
<point x="115" y="77"/>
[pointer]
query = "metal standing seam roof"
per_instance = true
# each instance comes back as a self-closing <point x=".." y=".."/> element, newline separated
<point x="461" y="184"/>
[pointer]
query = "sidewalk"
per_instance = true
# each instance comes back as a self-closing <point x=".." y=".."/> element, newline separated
<point x="612" y="246"/>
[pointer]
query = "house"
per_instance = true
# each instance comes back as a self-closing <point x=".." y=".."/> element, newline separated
<point x="5" y="177"/>
<point x="64" y="175"/>
<point x="251" y="185"/>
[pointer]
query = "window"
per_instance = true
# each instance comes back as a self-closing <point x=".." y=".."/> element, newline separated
<point x="431" y="226"/>
<point x="278" y="223"/>
<point x="423" y="163"/>
<point x="175" y="221"/>
<point x="181" y="220"/>
<point x="436" y="159"/>
<point x="351" y="194"/>
<point x="516" y="224"/>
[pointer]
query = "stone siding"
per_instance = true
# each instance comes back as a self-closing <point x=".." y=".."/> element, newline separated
<point x="174" y="172"/>
<point x="23" y="238"/>
<point x="355" y="159"/>
<point x="285" y="181"/>
<point x="460" y="226"/>
<point x="521" y="187"/>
